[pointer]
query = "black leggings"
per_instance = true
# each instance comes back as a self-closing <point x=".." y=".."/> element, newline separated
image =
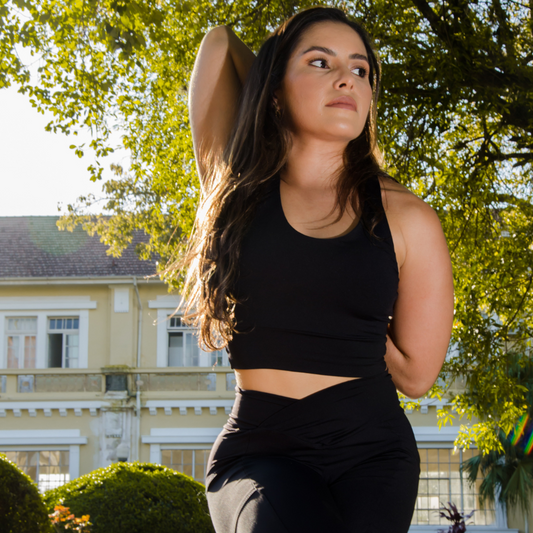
<point x="341" y="460"/>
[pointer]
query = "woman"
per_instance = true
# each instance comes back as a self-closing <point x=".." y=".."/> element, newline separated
<point x="328" y="281"/>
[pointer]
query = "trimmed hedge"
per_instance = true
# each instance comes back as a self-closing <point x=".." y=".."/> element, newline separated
<point x="137" y="498"/>
<point x="21" y="507"/>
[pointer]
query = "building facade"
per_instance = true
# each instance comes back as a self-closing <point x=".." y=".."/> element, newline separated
<point x="96" y="367"/>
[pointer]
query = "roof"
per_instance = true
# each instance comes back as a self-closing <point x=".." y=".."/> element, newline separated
<point x="34" y="247"/>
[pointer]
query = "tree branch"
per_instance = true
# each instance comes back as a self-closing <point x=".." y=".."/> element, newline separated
<point x="520" y="304"/>
<point x="481" y="76"/>
<point x="505" y="157"/>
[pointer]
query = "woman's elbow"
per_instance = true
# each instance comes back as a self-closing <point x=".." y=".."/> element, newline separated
<point x="218" y="31"/>
<point x="413" y="391"/>
<point x="415" y="388"/>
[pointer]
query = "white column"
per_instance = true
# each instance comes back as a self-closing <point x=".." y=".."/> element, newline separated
<point x="84" y="339"/>
<point x="74" y="461"/>
<point x="162" y="337"/>
<point x="3" y="341"/>
<point x="42" y="338"/>
<point x="155" y="453"/>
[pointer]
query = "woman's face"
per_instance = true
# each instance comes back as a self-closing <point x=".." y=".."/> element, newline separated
<point x="326" y="91"/>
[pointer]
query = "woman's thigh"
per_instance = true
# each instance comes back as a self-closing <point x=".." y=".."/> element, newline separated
<point x="273" y="495"/>
<point x="379" y="496"/>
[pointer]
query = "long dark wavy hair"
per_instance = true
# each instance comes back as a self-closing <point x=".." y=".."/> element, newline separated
<point x="236" y="180"/>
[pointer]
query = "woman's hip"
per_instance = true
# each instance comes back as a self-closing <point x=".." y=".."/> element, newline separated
<point x="331" y="430"/>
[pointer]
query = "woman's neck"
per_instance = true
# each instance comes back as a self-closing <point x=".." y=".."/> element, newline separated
<point x="313" y="164"/>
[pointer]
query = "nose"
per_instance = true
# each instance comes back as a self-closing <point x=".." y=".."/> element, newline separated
<point x="344" y="79"/>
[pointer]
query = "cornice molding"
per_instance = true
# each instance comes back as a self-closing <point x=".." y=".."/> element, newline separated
<point x="62" y="407"/>
<point x="181" y="435"/>
<point x="38" y="303"/>
<point x="79" y="281"/>
<point x="183" y="405"/>
<point x="42" y="437"/>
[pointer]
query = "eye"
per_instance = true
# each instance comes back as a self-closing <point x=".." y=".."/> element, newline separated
<point x="318" y="60"/>
<point x="360" y="71"/>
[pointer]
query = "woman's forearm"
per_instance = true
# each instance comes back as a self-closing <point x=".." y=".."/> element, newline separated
<point x="397" y="364"/>
<point x="404" y="372"/>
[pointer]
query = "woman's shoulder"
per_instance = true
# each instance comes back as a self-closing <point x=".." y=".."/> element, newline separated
<point x="411" y="219"/>
<point x="403" y="204"/>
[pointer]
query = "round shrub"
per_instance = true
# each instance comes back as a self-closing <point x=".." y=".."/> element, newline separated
<point x="137" y="498"/>
<point x="21" y="507"/>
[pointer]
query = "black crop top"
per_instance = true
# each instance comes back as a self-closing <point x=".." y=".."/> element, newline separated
<point x="313" y="305"/>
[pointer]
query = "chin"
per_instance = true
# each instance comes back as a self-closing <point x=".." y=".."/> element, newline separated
<point x="328" y="132"/>
<point x="343" y="136"/>
<point x="345" y="132"/>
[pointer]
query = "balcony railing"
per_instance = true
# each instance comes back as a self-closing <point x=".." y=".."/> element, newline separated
<point x="190" y="381"/>
<point x="59" y="383"/>
<point x="43" y="381"/>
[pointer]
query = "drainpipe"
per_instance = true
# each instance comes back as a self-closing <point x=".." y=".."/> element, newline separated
<point x="138" y="380"/>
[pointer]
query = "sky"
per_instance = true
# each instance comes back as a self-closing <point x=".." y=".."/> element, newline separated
<point x="38" y="170"/>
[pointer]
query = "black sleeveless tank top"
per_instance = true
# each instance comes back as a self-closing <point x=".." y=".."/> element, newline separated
<point x="313" y="305"/>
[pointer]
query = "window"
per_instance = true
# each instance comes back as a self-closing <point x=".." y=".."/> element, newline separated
<point x="63" y="342"/>
<point x="183" y="349"/>
<point x="189" y="462"/>
<point x="442" y="482"/>
<point x="48" y="468"/>
<point x="45" y="331"/>
<point x="21" y="335"/>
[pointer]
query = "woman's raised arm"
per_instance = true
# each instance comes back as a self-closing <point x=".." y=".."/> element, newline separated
<point x="219" y="73"/>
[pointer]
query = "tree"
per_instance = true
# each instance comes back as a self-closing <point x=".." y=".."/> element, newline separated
<point x="21" y="507"/>
<point x="508" y="473"/>
<point x="134" y="497"/>
<point x="456" y="116"/>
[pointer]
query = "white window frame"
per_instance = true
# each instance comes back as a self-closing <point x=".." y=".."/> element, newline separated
<point x="187" y="335"/>
<point x="21" y="334"/>
<point x="52" y="439"/>
<point x="41" y="449"/>
<point x="193" y="447"/>
<point x="64" y="333"/>
<point x="464" y="487"/>
<point x="166" y="306"/>
<point x="188" y="332"/>
<point x="186" y="438"/>
<point x="44" y="308"/>
<point x="433" y="437"/>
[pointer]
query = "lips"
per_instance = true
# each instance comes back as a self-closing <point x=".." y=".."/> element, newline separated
<point x="346" y="102"/>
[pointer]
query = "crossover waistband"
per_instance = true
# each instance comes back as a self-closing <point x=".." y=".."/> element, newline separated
<point x="365" y="395"/>
<point x="364" y="381"/>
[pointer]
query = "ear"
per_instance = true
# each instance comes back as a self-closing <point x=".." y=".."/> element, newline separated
<point x="278" y="97"/>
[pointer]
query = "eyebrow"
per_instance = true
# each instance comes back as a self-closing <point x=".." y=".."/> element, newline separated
<point x="330" y="52"/>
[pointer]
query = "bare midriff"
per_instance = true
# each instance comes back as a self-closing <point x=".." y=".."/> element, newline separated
<point x="295" y="385"/>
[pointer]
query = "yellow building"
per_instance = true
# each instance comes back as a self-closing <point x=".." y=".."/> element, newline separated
<point x="94" y="369"/>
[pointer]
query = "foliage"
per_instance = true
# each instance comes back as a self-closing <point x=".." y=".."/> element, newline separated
<point x="136" y="497"/>
<point x="508" y="474"/>
<point x="21" y="506"/>
<point x="456" y="117"/>
<point x="508" y="469"/>
<point x="457" y="519"/>
<point x="63" y="519"/>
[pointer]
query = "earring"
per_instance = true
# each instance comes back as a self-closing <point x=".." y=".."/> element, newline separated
<point x="277" y="108"/>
